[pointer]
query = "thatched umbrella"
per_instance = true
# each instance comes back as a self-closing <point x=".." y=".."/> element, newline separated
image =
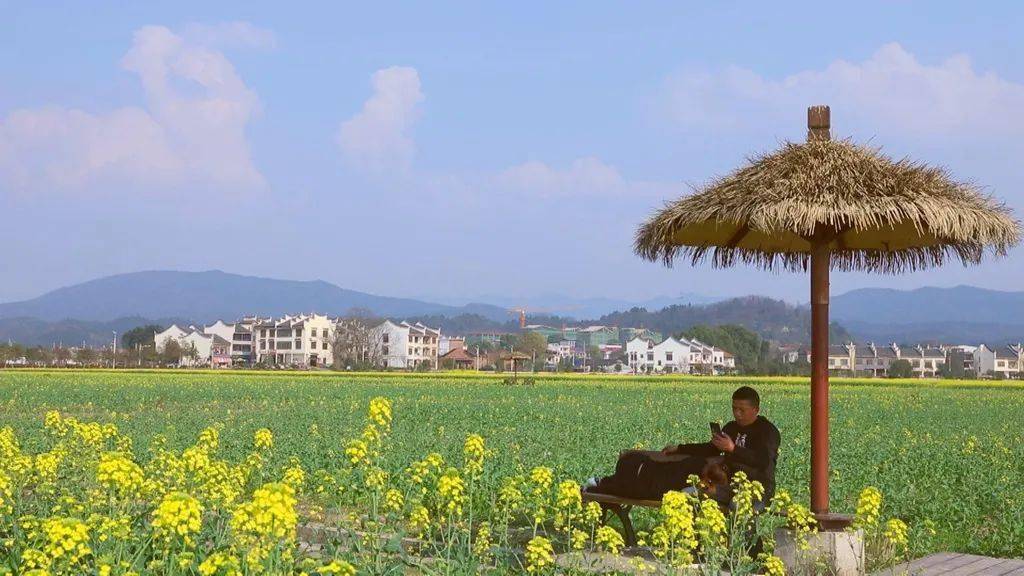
<point x="829" y="204"/>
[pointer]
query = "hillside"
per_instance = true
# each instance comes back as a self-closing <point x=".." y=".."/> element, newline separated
<point x="961" y="315"/>
<point x="207" y="296"/>
<point x="771" y="319"/>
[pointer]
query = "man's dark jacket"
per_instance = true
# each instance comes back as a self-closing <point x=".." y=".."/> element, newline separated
<point x="756" y="452"/>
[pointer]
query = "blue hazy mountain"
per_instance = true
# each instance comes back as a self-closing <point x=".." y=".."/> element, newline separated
<point x="207" y="296"/>
<point x="957" y="315"/>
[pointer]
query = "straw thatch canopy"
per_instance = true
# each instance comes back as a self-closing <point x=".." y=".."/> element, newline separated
<point x="874" y="214"/>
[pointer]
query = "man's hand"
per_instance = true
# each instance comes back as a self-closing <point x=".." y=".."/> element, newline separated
<point x="723" y="442"/>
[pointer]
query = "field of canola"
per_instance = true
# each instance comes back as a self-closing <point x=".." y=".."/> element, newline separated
<point x="951" y="454"/>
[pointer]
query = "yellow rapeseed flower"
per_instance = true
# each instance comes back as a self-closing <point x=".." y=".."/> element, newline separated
<point x="263" y="439"/>
<point x="452" y="491"/>
<point x="773" y="565"/>
<point x="356" y="451"/>
<point x="67" y="540"/>
<point x="869" y="508"/>
<point x="419" y="519"/>
<point x="540" y="556"/>
<point x="117" y="473"/>
<point x="220" y="564"/>
<point x="710" y="523"/>
<point x="482" y="545"/>
<point x="896" y="533"/>
<point x="608" y="538"/>
<point x="393" y="500"/>
<point x="269" y="517"/>
<point x="380" y="412"/>
<point x="473" y="453"/>
<point x="178" y="517"/>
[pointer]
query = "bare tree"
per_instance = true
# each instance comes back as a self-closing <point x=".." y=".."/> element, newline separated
<point x="352" y="343"/>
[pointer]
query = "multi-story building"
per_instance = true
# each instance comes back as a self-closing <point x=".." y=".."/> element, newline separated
<point x="961" y="361"/>
<point x="669" y="355"/>
<point x="999" y="361"/>
<point x="199" y="348"/>
<point x="404" y="345"/>
<point x="924" y="362"/>
<point x="303" y="340"/>
<point x="243" y="349"/>
<point x="448" y="343"/>
<point x="871" y="359"/>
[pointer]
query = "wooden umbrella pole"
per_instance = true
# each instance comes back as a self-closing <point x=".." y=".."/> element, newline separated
<point x="819" y="128"/>
<point x="820" y="258"/>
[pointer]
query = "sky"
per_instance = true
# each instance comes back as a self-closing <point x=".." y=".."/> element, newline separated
<point x="451" y="150"/>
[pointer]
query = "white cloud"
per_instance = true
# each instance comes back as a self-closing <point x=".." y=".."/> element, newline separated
<point x="891" y="90"/>
<point x="191" y="130"/>
<point x="230" y="35"/>
<point x="586" y="176"/>
<point x="582" y="177"/>
<point x="378" y="138"/>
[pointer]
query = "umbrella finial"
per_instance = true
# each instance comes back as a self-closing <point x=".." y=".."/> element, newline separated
<point x="819" y="121"/>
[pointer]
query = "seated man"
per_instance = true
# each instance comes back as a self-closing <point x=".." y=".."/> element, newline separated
<point x="749" y="443"/>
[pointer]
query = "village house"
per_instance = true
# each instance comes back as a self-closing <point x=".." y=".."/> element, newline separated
<point x="303" y="340"/>
<point x="999" y="361"/>
<point x="404" y="345"/>
<point x="199" y="347"/>
<point x="669" y="355"/>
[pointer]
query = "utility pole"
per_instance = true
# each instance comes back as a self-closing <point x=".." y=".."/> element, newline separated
<point x="113" y="355"/>
<point x="515" y="372"/>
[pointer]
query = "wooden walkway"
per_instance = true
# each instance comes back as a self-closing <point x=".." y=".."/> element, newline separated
<point x="952" y="564"/>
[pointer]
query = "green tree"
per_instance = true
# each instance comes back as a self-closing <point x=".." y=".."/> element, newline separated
<point x="595" y="357"/>
<point x="751" y="352"/>
<point x="172" y="352"/>
<point x="140" y="336"/>
<point x="900" y="369"/>
<point x="533" y="345"/>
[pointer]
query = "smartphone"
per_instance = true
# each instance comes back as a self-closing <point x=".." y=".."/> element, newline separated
<point x="716" y="428"/>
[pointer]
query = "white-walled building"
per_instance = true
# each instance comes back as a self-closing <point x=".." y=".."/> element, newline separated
<point x="1004" y="361"/>
<point x="404" y="345"/>
<point x="220" y="328"/>
<point x="172" y="332"/>
<point x="669" y="355"/>
<point x="303" y="340"/>
<point x="210" y="348"/>
<point x="677" y="355"/>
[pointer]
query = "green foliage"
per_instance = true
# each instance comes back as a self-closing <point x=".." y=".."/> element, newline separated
<point x="140" y="336"/>
<point x="900" y="369"/>
<point x="533" y="345"/>
<point x="918" y="441"/>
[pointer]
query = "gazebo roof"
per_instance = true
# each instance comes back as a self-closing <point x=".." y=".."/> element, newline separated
<point x="877" y="214"/>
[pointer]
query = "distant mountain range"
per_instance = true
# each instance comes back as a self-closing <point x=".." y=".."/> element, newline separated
<point x="580" y="308"/>
<point x="962" y="314"/>
<point x="90" y="311"/>
<point x="212" y="295"/>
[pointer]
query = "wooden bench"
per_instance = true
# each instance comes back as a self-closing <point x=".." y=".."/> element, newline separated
<point x="622" y="506"/>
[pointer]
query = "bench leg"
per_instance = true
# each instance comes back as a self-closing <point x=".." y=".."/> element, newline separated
<point x="627" y="525"/>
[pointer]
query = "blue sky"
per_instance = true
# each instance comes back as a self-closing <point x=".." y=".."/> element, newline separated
<point x="454" y="150"/>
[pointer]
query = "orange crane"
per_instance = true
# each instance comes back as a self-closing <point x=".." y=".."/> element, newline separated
<point x="522" y="315"/>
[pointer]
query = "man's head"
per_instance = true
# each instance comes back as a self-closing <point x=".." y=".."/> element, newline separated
<point x="746" y="405"/>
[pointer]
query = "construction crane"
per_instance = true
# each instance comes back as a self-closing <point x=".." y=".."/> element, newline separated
<point x="522" y="315"/>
